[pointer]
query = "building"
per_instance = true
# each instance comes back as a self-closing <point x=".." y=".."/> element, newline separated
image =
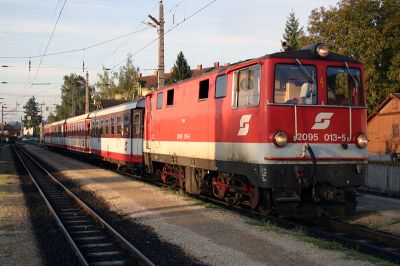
<point x="383" y="128"/>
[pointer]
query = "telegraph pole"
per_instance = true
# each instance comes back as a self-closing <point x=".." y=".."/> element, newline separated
<point x="160" y="30"/>
<point x="87" y="93"/>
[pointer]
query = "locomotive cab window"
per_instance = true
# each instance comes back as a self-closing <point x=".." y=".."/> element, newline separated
<point x="246" y="87"/>
<point x="220" y="86"/>
<point x="170" y="97"/>
<point x="344" y="86"/>
<point x="159" y="100"/>
<point x="203" y="89"/>
<point x="295" y="84"/>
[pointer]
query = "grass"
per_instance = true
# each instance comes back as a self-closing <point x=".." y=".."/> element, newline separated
<point x="301" y="235"/>
<point x="5" y="250"/>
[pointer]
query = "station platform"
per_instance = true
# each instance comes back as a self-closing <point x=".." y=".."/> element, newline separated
<point x="18" y="245"/>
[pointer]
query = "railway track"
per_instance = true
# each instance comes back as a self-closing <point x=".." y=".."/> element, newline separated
<point x="375" y="243"/>
<point x="93" y="240"/>
<point x="382" y="245"/>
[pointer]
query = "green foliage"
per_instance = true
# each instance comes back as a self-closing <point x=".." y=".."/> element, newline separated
<point x="181" y="70"/>
<point x="73" y="97"/>
<point x="31" y="117"/>
<point x="122" y="85"/>
<point x="368" y="30"/>
<point x="292" y="33"/>
<point x="51" y="118"/>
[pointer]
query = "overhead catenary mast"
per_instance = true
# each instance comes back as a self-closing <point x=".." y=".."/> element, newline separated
<point x="160" y="31"/>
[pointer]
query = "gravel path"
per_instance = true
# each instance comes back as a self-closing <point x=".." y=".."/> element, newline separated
<point x="17" y="241"/>
<point x="210" y="236"/>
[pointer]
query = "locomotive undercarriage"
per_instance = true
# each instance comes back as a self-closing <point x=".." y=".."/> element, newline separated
<point x="289" y="190"/>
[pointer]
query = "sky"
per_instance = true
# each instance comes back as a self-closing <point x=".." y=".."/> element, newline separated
<point x="101" y="33"/>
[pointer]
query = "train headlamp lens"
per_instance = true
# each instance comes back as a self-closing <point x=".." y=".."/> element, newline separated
<point x="362" y="140"/>
<point x="323" y="50"/>
<point x="280" y="138"/>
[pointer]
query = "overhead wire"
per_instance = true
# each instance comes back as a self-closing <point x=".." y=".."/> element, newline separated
<point x="169" y="30"/>
<point x="48" y="43"/>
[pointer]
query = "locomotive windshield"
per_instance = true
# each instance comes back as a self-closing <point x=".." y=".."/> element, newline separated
<point x="344" y="86"/>
<point x="293" y="84"/>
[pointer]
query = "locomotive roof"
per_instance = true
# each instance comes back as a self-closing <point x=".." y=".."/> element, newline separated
<point x="307" y="54"/>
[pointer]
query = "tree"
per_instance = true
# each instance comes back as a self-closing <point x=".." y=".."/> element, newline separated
<point x="51" y="118"/>
<point x="122" y="85"/>
<point x="368" y="30"/>
<point x="73" y="97"/>
<point x="31" y="118"/>
<point x="181" y="70"/>
<point x="292" y="33"/>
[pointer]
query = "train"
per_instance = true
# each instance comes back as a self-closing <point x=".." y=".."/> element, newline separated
<point x="284" y="133"/>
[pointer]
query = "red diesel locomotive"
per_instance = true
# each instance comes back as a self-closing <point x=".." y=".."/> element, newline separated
<point x="284" y="132"/>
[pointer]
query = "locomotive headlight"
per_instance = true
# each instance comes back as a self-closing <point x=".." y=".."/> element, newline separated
<point x="362" y="140"/>
<point x="280" y="138"/>
<point x="322" y="50"/>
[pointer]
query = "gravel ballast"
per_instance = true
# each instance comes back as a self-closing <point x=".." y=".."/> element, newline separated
<point x="179" y="228"/>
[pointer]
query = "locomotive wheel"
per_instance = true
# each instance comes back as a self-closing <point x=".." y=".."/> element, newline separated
<point x="254" y="195"/>
<point x="221" y="189"/>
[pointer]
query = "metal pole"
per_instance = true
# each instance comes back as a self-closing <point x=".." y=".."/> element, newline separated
<point x="161" y="46"/>
<point x="87" y="93"/>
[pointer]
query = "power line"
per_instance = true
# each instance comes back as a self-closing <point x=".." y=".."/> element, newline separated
<point x="48" y="43"/>
<point x="172" y="28"/>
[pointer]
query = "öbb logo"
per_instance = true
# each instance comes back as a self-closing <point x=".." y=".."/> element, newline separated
<point x="244" y="125"/>
<point x="322" y="121"/>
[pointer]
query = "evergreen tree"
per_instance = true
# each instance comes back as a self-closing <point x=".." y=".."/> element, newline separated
<point x="31" y="118"/>
<point x="292" y="34"/>
<point x="368" y="30"/>
<point x="181" y="70"/>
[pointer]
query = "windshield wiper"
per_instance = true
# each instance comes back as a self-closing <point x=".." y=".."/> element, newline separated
<point x="305" y="72"/>
<point x="351" y="75"/>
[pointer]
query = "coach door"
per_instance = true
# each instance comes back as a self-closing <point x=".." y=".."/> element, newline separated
<point x="137" y="136"/>
<point x="87" y="135"/>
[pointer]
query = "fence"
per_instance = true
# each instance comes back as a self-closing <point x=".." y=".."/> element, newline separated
<point x="383" y="177"/>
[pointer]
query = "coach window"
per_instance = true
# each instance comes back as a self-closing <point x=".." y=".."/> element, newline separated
<point x="159" y="100"/>
<point x="126" y="125"/>
<point x="112" y="125"/>
<point x="119" y="125"/>
<point x="344" y="86"/>
<point x="136" y="124"/>
<point x="295" y="84"/>
<point x="170" y="97"/>
<point x="94" y="128"/>
<point x="246" y="87"/>
<point x="101" y="127"/>
<point x="203" y="89"/>
<point x="106" y="125"/>
<point x="220" y="86"/>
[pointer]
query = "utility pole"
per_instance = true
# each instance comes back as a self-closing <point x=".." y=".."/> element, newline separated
<point x="2" y="122"/>
<point x="87" y="93"/>
<point x="41" y="123"/>
<point x="160" y="30"/>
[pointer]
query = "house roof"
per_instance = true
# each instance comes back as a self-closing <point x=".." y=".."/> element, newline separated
<point x="383" y="104"/>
